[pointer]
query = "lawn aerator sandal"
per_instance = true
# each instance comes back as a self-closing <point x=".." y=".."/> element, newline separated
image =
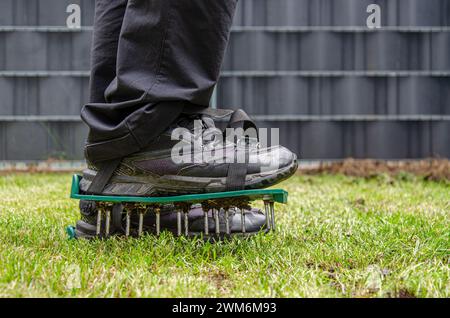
<point x="136" y="208"/>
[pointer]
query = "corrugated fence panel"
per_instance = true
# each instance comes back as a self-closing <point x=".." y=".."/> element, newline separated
<point x="262" y="95"/>
<point x="374" y="139"/>
<point x="42" y="95"/>
<point x="338" y="51"/>
<point x="284" y="59"/>
<point x="310" y="139"/>
<point x="40" y="140"/>
<point x="37" y="51"/>
<point x="255" y="51"/>
<point x="341" y="12"/>
<point x="43" y="12"/>
<point x="337" y="95"/>
<point x="256" y="12"/>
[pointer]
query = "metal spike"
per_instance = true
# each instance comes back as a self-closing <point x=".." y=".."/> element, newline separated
<point x="141" y="222"/>
<point x="158" y="221"/>
<point x="186" y="224"/>
<point x="206" y="223"/>
<point x="128" y="223"/>
<point x="227" y="222"/>
<point x="99" y="222"/>
<point x="179" y="223"/>
<point x="243" y="221"/>
<point x="216" y="218"/>
<point x="108" y="221"/>
<point x="267" y="214"/>
<point x="272" y="214"/>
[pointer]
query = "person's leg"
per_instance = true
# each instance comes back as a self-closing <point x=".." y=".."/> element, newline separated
<point x="109" y="15"/>
<point x="108" y="20"/>
<point x="168" y="59"/>
<point x="169" y="56"/>
<point x="165" y="60"/>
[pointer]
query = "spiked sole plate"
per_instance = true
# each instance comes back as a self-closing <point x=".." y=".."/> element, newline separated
<point x="221" y="201"/>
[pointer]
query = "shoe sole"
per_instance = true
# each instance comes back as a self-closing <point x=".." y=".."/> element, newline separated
<point x="179" y="185"/>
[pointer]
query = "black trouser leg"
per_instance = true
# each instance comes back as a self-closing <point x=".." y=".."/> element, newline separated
<point x="109" y="16"/>
<point x="169" y="54"/>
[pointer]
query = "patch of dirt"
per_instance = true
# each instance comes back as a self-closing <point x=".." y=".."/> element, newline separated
<point x="219" y="279"/>
<point x="430" y="169"/>
<point x="403" y="293"/>
<point x="48" y="166"/>
<point x="360" y="202"/>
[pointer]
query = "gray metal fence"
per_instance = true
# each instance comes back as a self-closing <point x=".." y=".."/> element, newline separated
<point x="310" y="67"/>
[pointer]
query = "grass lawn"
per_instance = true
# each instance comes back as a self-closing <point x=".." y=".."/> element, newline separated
<point x="338" y="237"/>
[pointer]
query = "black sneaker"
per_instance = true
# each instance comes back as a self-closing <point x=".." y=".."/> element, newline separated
<point x="154" y="172"/>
